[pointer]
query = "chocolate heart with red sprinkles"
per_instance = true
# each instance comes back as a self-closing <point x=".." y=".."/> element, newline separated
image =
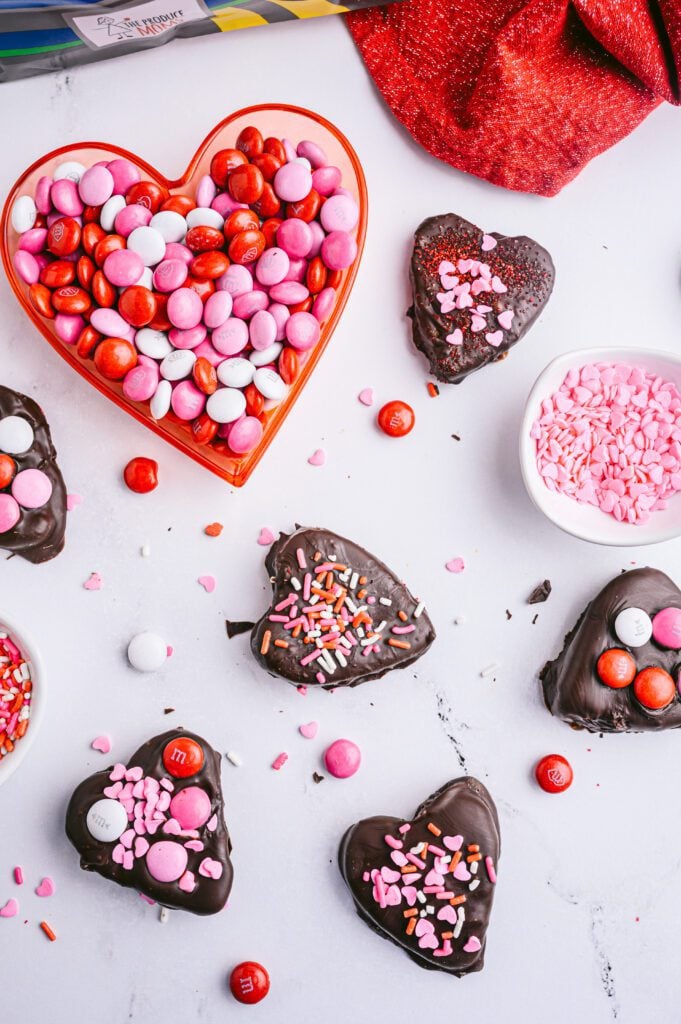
<point x="474" y="294"/>
<point x="428" y="884"/>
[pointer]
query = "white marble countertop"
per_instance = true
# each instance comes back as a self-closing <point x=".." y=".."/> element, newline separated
<point x="585" y="925"/>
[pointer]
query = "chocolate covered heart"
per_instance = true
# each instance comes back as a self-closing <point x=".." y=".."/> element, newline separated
<point x="619" y="667"/>
<point x="157" y="824"/>
<point x="428" y="884"/>
<point x="32" y="491"/>
<point x="338" y="615"/>
<point x="474" y="295"/>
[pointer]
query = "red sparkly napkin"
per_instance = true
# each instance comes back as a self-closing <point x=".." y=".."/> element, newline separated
<point x="522" y="92"/>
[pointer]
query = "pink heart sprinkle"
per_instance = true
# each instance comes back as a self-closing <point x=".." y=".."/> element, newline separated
<point x="428" y="942"/>
<point x="506" y="318"/>
<point x="309" y="731"/>
<point x="494" y="338"/>
<point x="424" y="927"/>
<point x="445" y="268"/>
<point x="434" y="878"/>
<point x="46" y="887"/>
<point x="455" y="565"/>
<point x="452" y="843"/>
<point x="10" y="908"/>
<point x="473" y="945"/>
<point x="188" y="882"/>
<point x="208" y="583"/>
<point x="127" y="838"/>
<point x="488" y="243"/>
<point x="318" y="457"/>
<point x="117" y="854"/>
<point x="393" y="897"/>
<point x="265" y="537"/>
<point x="455" y="338"/>
<point x="194" y="844"/>
<point x="128" y="860"/>
<point x="117" y="772"/>
<point x="397" y="857"/>
<point x="280" y="761"/>
<point x="93" y="582"/>
<point x="478" y="323"/>
<point x="72" y="501"/>
<point x="171" y="827"/>
<point x="367" y="396"/>
<point x="409" y="893"/>
<point x="210" y="868"/>
<point x="212" y="823"/>
<point x="102" y="744"/>
<point x="141" y="846"/>
<point x="152" y="827"/>
<point x="389" y="875"/>
<point x="112" y="791"/>
<point x="498" y="285"/>
<point x="134" y="774"/>
<point x="448" y="281"/>
<point x="447" y="914"/>
<point x="461" y="872"/>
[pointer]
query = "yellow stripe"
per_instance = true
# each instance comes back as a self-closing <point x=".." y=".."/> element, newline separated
<point x="310" y="8"/>
<point x="235" y="18"/>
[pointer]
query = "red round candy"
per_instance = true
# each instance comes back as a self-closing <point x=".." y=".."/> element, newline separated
<point x="161" y="321"/>
<point x="396" y="419"/>
<point x="205" y="376"/>
<point x="616" y="668"/>
<point x="249" y="982"/>
<point x="147" y="193"/>
<point x="276" y="148"/>
<point x="137" y="305"/>
<point x="7" y="470"/>
<point x="250" y="141"/>
<point x="553" y="773"/>
<point x="240" y="220"/>
<point x="87" y="342"/>
<point x="204" y="428"/>
<point x="92" y="233"/>
<point x="63" y="237"/>
<point x="103" y="292"/>
<point x="246" y="247"/>
<point x="71" y="299"/>
<point x="267" y="163"/>
<point x="203" y="286"/>
<point x="269" y="204"/>
<point x="182" y="757"/>
<point x="179" y="204"/>
<point x="204" y="239"/>
<point x="105" y="246"/>
<point x="255" y="402"/>
<point x="223" y="162"/>
<point x="305" y="209"/>
<point x="41" y="300"/>
<point x="141" y="475"/>
<point x="654" y="688"/>
<point x="85" y="271"/>
<point x="114" y="357"/>
<point x="91" y="214"/>
<point x="58" y="274"/>
<point x="245" y="183"/>
<point x="269" y="229"/>
<point x="209" y="264"/>
<point x="288" y="365"/>
<point x="316" y="275"/>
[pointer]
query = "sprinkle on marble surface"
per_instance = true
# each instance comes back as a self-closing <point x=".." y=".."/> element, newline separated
<point x="234" y="758"/>
<point x="102" y="743"/>
<point x="280" y="761"/>
<point x="455" y="565"/>
<point x="213" y="529"/>
<point x="208" y="583"/>
<point x="490" y="670"/>
<point x="73" y="501"/>
<point x="265" y="537"/>
<point x="145" y="551"/>
<point x="93" y="582"/>
<point x="367" y="396"/>
<point x="318" y="457"/>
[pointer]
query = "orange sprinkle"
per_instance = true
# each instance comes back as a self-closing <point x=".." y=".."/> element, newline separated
<point x="50" y="934"/>
<point x="411" y="926"/>
<point x="8" y="745"/>
<point x="474" y="848"/>
<point x="361" y="594"/>
<point x="213" y="529"/>
<point x="473" y="857"/>
<point x="22" y="727"/>
<point x="402" y="615"/>
<point x="402" y="644"/>
<point x="362" y="580"/>
<point x="339" y="603"/>
<point x="433" y="389"/>
<point x="317" y="555"/>
<point x="265" y="645"/>
<point x="456" y="857"/>
<point x="457" y="900"/>
<point x="410" y="913"/>
<point x="447" y="935"/>
<point x="408" y="868"/>
<point x="329" y="580"/>
<point x="295" y="632"/>
<point x="434" y="829"/>
<point x="281" y="643"/>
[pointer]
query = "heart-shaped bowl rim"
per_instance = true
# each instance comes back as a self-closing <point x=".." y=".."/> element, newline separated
<point x="30" y="652"/>
<point x="235" y="469"/>
<point x="585" y="521"/>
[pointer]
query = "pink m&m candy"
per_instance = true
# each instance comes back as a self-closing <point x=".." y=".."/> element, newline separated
<point x="272" y="267"/>
<point x="289" y="292"/>
<point x="667" y="628"/>
<point x="31" y="488"/>
<point x="295" y="237"/>
<point x="26" y="266"/>
<point x="124" y="174"/>
<point x="339" y="213"/>
<point x="123" y="268"/>
<point x="166" y="861"/>
<point x="245" y="435"/>
<point x="68" y="327"/>
<point x="96" y="185"/>
<point x="10" y="513"/>
<point x="292" y="182"/>
<point x="140" y="383"/>
<point x="65" y="198"/>
<point x="302" y="331"/>
<point x="324" y="303"/>
<point x="218" y="308"/>
<point x="245" y="306"/>
<point x="185" y="308"/>
<point x="191" y="807"/>
<point x="187" y="401"/>
<point x="236" y="280"/>
<point x="262" y="330"/>
<point x="231" y="337"/>
<point x="342" y="758"/>
<point x="313" y="153"/>
<point x="130" y="218"/>
<point x="339" y="250"/>
<point x="169" y="275"/>
<point x="326" y="180"/>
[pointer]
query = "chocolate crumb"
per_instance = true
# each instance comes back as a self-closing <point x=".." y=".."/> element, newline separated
<point x="168" y="711"/>
<point x="508" y="614"/>
<point x="237" y="628"/>
<point x="540" y="593"/>
<point x="456" y="437"/>
<point x="535" y="618"/>
<point x="317" y="778"/>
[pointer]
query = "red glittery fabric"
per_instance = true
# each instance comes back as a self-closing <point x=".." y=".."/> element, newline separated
<point x="522" y="92"/>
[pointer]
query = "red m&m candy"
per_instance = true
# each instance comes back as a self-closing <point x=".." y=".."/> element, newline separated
<point x="654" y="688"/>
<point x="396" y="419"/>
<point x="182" y="757"/>
<point x="554" y="773"/>
<point x="141" y="475"/>
<point x="249" y="982"/>
<point x="616" y="668"/>
<point x="7" y="470"/>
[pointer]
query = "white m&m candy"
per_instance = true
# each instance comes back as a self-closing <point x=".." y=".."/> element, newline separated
<point x="106" y="821"/>
<point x="71" y="169"/>
<point x="269" y="384"/>
<point x="226" y="405"/>
<point x="24" y="213"/>
<point x="16" y="435"/>
<point x="633" y="627"/>
<point x="147" y="652"/>
<point x="236" y="372"/>
<point x="149" y="244"/>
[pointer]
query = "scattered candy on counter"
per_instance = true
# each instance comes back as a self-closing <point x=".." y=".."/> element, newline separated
<point x="208" y="583"/>
<point x="73" y="501"/>
<point x="265" y="537"/>
<point x="48" y="931"/>
<point x="280" y="761"/>
<point x="147" y="652"/>
<point x="249" y="982"/>
<point x="455" y="565"/>
<point x="309" y="730"/>
<point x="342" y="759"/>
<point x="367" y="396"/>
<point x="396" y="419"/>
<point x="46" y="888"/>
<point x="610" y="437"/>
<point x="213" y="529"/>
<point x="554" y="773"/>
<point x="18" y="875"/>
<point x="93" y="582"/>
<point x="141" y="475"/>
<point x="10" y="909"/>
<point x="234" y="758"/>
<point x="16" y="691"/>
<point x="102" y="744"/>
<point x="207" y="306"/>
<point x="540" y="593"/>
<point x="318" y="457"/>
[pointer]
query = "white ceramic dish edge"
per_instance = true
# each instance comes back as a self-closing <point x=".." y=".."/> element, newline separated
<point x="27" y="646"/>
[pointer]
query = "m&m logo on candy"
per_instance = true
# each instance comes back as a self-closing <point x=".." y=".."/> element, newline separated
<point x="182" y="757"/>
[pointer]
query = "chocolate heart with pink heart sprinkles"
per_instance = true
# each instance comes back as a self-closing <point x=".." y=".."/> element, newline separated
<point x="475" y="294"/>
<point x="428" y="884"/>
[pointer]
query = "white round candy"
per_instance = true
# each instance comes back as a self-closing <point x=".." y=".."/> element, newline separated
<point x="147" y="652"/>
<point x="178" y="364"/>
<point x="16" y="435"/>
<point x="205" y="215"/>
<point x="153" y="343"/>
<point x="171" y="225"/>
<point x="269" y="384"/>
<point x="146" y="280"/>
<point x="236" y="372"/>
<point x="160" y="402"/>
<point x="69" y="169"/>
<point x="107" y="215"/>
<point x="149" y="244"/>
<point x="24" y="213"/>
<point x="266" y="355"/>
<point x="633" y="627"/>
<point x="226" y="405"/>
<point x="106" y="821"/>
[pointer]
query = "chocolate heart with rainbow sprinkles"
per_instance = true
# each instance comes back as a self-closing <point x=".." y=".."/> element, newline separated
<point x="475" y="295"/>
<point x="428" y="884"/>
<point x="157" y="824"/>
<point x="619" y="667"/>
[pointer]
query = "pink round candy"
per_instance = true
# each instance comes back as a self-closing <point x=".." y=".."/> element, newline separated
<point x="318" y="237"/>
<point x="262" y="330"/>
<point x="272" y="267"/>
<point x="34" y="240"/>
<point x="124" y="174"/>
<point x="667" y="628"/>
<point x="339" y="250"/>
<point x="169" y="275"/>
<point x="187" y="401"/>
<point x="245" y="306"/>
<point x="205" y="191"/>
<point x="166" y="861"/>
<point x="245" y="435"/>
<point x="302" y="331"/>
<point x="65" y="198"/>
<point x="178" y="251"/>
<point x="130" y="218"/>
<point x="140" y="383"/>
<point x="326" y="180"/>
<point x="323" y="304"/>
<point x="96" y="185"/>
<point x="187" y="339"/>
<point x="217" y="309"/>
<point x="68" y="327"/>
<point x="339" y="213"/>
<point x="280" y="313"/>
<point x="236" y="280"/>
<point x="312" y="152"/>
<point x="111" y="324"/>
<point x="185" y="308"/>
<point x="191" y="807"/>
<point x="297" y="271"/>
<point x="42" y="195"/>
<point x="289" y="149"/>
<point x="342" y="759"/>
<point x="231" y="337"/>
<point x="26" y="266"/>
<point x="224" y="205"/>
<point x="206" y="351"/>
<point x="292" y="182"/>
<point x="289" y="292"/>
<point x="10" y="513"/>
<point x="32" y="488"/>
<point x="123" y="267"/>
<point x="294" y="236"/>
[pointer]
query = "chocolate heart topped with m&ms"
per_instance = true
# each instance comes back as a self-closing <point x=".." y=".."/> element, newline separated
<point x="428" y="884"/>
<point x="32" y="491"/>
<point x="157" y="824"/>
<point x="202" y="305"/>
<point x="338" y="615"/>
<point x="475" y="295"/>
<point x="619" y="667"/>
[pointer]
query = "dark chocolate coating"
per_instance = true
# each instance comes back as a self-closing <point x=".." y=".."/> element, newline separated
<point x="461" y="807"/>
<point x="281" y="564"/>
<point x="572" y="689"/>
<point x="525" y="267"/>
<point x="210" y="895"/>
<point x="39" y="534"/>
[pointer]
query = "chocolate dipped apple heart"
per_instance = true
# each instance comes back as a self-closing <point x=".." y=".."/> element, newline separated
<point x="338" y="615"/>
<point x="157" y="824"/>
<point x="32" y="490"/>
<point x="475" y="295"/>
<point x="428" y="884"/>
<point x="619" y="667"/>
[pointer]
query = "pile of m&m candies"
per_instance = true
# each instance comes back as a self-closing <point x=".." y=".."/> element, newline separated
<point x="19" y="488"/>
<point x="204" y="306"/>
<point x="654" y="688"/>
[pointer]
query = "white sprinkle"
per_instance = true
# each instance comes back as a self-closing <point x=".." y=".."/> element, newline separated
<point x="385" y="600"/>
<point x="423" y="913"/>
<point x="25" y="671"/>
<point x="474" y="885"/>
<point x="234" y="758"/>
<point x="420" y="897"/>
<point x="342" y="660"/>
<point x="367" y="643"/>
<point x="164" y="915"/>
<point x="295" y="583"/>
<point x="17" y="675"/>
<point x="353" y="581"/>
<point x="351" y="605"/>
<point x="314" y="599"/>
<point x="418" y="611"/>
<point x="382" y="626"/>
<point x="346" y="643"/>
<point x="430" y="908"/>
<point x="489" y="670"/>
<point x="459" y="620"/>
<point x="344" y="576"/>
<point x="474" y="867"/>
<point x="460" y="918"/>
<point x="145" y="551"/>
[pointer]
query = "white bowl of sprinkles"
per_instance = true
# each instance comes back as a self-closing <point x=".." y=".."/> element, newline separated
<point x="22" y="695"/>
